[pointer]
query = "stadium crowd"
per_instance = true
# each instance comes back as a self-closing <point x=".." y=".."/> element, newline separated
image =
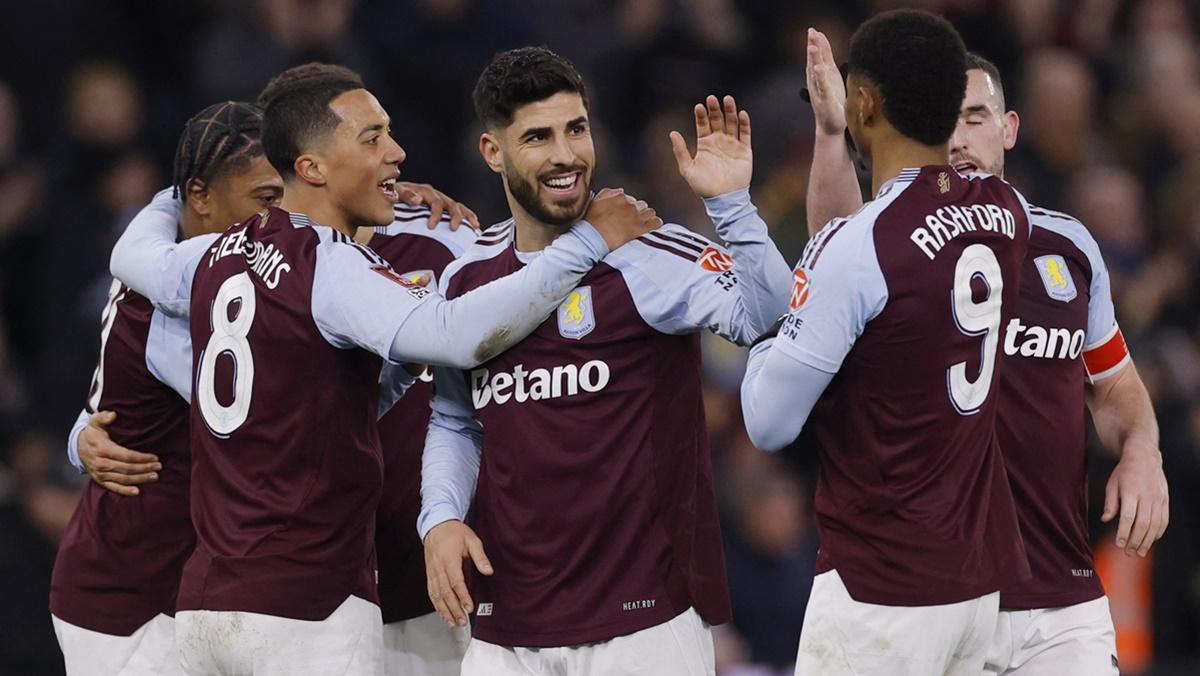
<point x="93" y="95"/>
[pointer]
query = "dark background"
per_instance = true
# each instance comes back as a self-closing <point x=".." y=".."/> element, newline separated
<point x="94" y="94"/>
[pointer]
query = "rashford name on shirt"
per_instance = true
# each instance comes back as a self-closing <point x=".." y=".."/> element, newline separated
<point x="264" y="259"/>
<point x="952" y="220"/>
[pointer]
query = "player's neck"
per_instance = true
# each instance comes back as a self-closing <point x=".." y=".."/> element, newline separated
<point x="191" y="224"/>
<point x="301" y="198"/>
<point x="896" y="152"/>
<point x="532" y="234"/>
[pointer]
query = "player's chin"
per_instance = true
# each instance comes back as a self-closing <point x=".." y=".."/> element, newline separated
<point x="380" y="215"/>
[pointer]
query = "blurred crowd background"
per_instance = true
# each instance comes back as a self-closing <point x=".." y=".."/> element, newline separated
<point x="94" y="94"/>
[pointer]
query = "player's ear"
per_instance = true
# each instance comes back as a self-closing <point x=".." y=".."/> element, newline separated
<point x="197" y="196"/>
<point x="493" y="154"/>
<point x="1011" y="123"/>
<point x="867" y="105"/>
<point x="308" y="169"/>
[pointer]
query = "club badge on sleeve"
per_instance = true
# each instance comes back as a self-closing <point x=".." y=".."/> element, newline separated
<point x="575" y="316"/>
<point x="1056" y="277"/>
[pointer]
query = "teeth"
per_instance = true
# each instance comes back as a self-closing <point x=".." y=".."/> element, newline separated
<point x="561" y="181"/>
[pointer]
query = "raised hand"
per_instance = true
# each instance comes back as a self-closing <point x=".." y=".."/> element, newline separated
<point x="723" y="162"/>
<point x="111" y="465"/>
<point x="620" y="217"/>
<point x="439" y="203"/>
<point x="826" y="89"/>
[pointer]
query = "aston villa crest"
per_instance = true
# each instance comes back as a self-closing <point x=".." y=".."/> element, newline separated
<point x="1056" y="277"/>
<point x="575" y="316"/>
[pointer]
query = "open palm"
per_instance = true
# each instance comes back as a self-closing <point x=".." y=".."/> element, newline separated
<point x="723" y="161"/>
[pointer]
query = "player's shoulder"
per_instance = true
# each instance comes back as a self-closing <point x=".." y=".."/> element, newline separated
<point x="847" y="239"/>
<point x="494" y="240"/>
<point x="1067" y="227"/>
<point x="670" y="243"/>
<point x="332" y="244"/>
<point x="414" y="221"/>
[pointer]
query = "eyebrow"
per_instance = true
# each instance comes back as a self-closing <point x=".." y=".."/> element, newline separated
<point x="971" y="110"/>
<point x="379" y="126"/>
<point x="582" y="119"/>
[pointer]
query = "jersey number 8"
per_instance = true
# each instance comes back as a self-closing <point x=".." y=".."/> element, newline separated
<point x="228" y="337"/>
<point x="973" y="318"/>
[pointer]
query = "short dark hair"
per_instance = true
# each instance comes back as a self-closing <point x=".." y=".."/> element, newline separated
<point x="978" y="62"/>
<point x="519" y="77"/>
<point x="221" y="138"/>
<point x="298" y="112"/>
<point x="308" y="71"/>
<point x="919" y="64"/>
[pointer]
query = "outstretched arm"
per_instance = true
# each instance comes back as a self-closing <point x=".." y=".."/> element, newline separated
<point x="720" y="172"/>
<point x="833" y="189"/>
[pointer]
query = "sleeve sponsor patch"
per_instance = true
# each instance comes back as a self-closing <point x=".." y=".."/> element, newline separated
<point x="414" y="287"/>
<point x="715" y="260"/>
<point x="800" y="288"/>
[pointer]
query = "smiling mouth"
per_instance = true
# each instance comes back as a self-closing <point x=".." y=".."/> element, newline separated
<point x="564" y="184"/>
<point x="388" y="190"/>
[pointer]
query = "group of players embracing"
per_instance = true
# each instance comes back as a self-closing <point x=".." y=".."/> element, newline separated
<point x="295" y="418"/>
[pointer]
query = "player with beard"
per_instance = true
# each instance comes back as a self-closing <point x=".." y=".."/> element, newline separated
<point x="290" y="320"/>
<point x="584" y="445"/>
<point x="1065" y="354"/>
<point x="916" y="517"/>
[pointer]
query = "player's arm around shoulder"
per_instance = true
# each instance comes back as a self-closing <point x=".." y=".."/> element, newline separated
<point x="148" y="259"/>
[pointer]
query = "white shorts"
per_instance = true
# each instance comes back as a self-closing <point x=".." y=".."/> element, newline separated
<point x="424" y="646"/>
<point x="234" y="643"/>
<point x="682" y="646"/>
<point x="843" y="637"/>
<point x="149" y="650"/>
<point x="1077" y="640"/>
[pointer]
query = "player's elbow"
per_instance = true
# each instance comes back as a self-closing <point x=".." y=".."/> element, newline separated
<point x="767" y="437"/>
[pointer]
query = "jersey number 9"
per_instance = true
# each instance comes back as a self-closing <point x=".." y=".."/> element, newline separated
<point x="975" y="318"/>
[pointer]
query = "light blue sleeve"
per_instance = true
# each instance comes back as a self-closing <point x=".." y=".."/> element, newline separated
<point x="835" y="299"/>
<point x="764" y="276"/>
<point x="357" y="302"/>
<point x="453" y="446"/>
<point x="683" y="283"/>
<point x="73" y="440"/>
<point x="778" y="394"/>
<point x="1102" y="314"/>
<point x="148" y="260"/>
<point x="169" y="352"/>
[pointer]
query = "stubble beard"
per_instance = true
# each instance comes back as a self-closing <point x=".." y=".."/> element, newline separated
<point x="526" y="194"/>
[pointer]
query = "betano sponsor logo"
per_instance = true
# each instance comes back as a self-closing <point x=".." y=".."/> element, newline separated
<point x="1035" y="341"/>
<point x="523" y="385"/>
